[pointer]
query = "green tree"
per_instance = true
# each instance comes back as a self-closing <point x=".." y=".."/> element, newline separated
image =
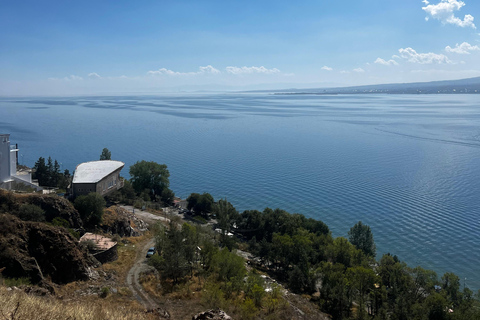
<point x="151" y="176"/>
<point x="190" y="242"/>
<point x="200" y="203"/>
<point x="362" y="281"/>
<point x="106" y="154"/>
<point x="335" y="292"/>
<point x="41" y="172"/>
<point x="361" y="237"/>
<point x="229" y="266"/>
<point x="451" y="285"/>
<point x="91" y="208"/>
<point x="226" y="214"/>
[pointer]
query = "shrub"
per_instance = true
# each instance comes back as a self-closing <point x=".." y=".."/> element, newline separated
<point x="59" y="222"/>
<point x="104" y="292"/>
<point x="90" y="208"/>
<point x="31" y="212"/>
<point x="213" y="296"/>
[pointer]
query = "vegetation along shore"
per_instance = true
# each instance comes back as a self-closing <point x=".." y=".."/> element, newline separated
<point x="253" y="264"/>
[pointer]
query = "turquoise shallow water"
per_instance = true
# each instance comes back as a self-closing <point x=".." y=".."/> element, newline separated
<point x="408" y="166"/>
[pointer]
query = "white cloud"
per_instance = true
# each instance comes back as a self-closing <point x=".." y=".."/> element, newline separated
<point x="209" y="69"/>
<point x="423" y="58"/>
<point x="201" y="70"/>
<point x="444" y="11"/>
<point x="69" y="78"/>
<point x="344" y="72"/>
<point x="248" y="70"/>
<point x="463" y="48"/>
<point x="359" y="70"/>
<point x="94" y="75"/>
<point x="327" y="68"/>
<point x="386" y="63"/>
<point x="164" y="71"/>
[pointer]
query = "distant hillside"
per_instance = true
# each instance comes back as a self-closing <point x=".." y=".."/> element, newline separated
<point x="471" y="85"/>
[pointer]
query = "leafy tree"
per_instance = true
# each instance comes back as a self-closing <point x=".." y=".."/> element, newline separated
<point x="362" y="281"/>
<point x="451" y="285"/>
<point x="175" y="264"/>
<point x="361" y="237"/>
<point x="106" y="154"/>
<point x="190" y="242"/>
<point x="151" y="176"/>
<point x="229" y="267"/>
<point x="335" y="290"/>
<point x="91" y="208"/>
<point x="200" y="203"/>
<point x="226" y="214"/>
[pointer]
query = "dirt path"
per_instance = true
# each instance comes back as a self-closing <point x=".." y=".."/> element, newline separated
<point x="133" y="278"/>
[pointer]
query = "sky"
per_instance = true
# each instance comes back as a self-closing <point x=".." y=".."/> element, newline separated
<point x="123" y="47"/>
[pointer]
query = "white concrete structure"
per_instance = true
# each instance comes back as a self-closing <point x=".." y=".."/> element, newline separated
<point x="9" y="177"/>
<point x="101" y="176"/>
<point x="5" y="171"/>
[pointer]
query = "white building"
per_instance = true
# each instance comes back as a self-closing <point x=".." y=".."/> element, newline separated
<point x="101" y="177"/>
<point x="9" y="176"/>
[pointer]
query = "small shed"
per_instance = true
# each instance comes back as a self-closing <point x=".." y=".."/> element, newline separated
<point x="105" y="249"/>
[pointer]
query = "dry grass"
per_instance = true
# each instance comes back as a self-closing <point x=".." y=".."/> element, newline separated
<point x="17" y="305"/>
<point x="127" y="253"/>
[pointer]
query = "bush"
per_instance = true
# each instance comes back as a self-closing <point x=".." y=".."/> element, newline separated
<point x="104" y="292"/>
<point x="213" y="297"/>
<point x="59" y="222"/>
<point x="248" y="309"/>
<point x="11" y="282"/>
<point x="31" y="212"/>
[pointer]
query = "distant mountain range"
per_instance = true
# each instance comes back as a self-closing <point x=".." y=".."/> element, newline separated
<point x="471" y="85"/>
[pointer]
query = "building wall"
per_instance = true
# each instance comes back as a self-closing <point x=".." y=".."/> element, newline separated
<point x="83" y="188"/>
<point x="105" y="186"/>
<point x="13" y="161"/>
<point x="107" y="255"/>
<point x="4" y="157"/>
<point x="110" y="183"/>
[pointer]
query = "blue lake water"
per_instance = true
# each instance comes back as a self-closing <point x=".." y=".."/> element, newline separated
<point x="407" y="165"/>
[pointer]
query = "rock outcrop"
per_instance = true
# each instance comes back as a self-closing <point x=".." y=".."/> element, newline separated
<point x="214" y="314"/>
<point x="38" y="251"/>
<point x="119" y="221"/>
<point x="53" y="205"/>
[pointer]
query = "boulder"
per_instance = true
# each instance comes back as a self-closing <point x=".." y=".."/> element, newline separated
<point x="214" y="314"/>
<point x="117" y="220"/>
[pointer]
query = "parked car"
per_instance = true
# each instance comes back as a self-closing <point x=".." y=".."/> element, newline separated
<point x="151" y="252"/>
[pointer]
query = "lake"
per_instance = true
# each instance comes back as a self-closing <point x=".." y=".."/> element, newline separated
<point x="407" y="165"/>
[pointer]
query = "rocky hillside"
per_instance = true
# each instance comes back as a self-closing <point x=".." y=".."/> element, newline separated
<point x="39" y="251"/>
<point x="53" y="205"/>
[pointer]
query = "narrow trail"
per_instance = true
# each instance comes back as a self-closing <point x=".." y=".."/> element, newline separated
<point x="133" y="278"/>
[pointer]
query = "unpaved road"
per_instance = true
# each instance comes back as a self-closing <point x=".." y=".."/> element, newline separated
<point x="133" y="278"/>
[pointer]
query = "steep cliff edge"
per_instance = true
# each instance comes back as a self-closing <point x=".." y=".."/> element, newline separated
<point x="38" y="251"/>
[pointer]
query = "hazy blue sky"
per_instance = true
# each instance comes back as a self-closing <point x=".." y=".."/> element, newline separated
<point x="92" y="47"/>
